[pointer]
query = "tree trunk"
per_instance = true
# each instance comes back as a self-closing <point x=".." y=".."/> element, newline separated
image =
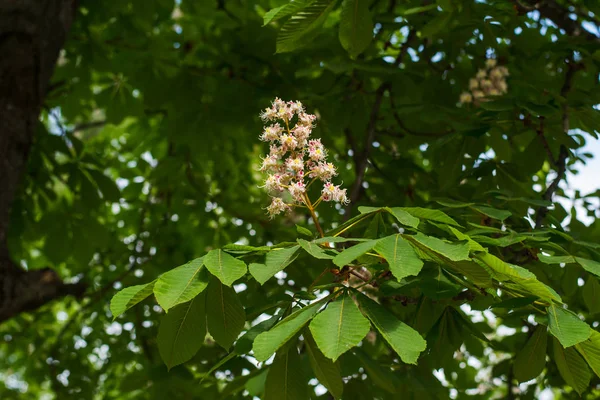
<point x="32" y="32"/>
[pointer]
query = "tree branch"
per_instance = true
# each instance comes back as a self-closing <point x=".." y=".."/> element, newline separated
<point x="560" y="163"/>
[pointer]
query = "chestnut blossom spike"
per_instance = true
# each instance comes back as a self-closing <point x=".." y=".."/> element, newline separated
<point x="293" y="157"/>
<point x="487" y="83"/>
<point x="277" y="206"/>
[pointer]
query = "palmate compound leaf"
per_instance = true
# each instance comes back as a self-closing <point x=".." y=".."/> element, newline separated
<point x="326" y="371"/>
<point x="276" y="260"/>
<point x="356" y="26"/>
<point x="182" y="332"/>
<point x="400" y="255"/>
<point x="129" y="297"/>
<point x="572" y="367"/>
<point x="181" y="284"/>
<point x="287" y="379"/>
<point x="303" y="26"/>
<point x="405" y="341"/>
<point x="224" y="266"/>
<point x="225" y="315"/>
<point x="339" y="327"/>
<point x="566" y="326"/>
<point x="530" y="360"/>
<point x="269" y="342"/>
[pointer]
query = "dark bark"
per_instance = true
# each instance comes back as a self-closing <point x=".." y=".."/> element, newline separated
<point x="32" y="32"/>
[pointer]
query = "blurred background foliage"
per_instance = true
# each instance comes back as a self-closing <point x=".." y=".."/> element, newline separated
<point x="147" y="155"/>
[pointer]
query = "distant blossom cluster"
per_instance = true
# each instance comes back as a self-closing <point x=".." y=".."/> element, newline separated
<point x="488" y="82"/>
<point x="295" y="157"/>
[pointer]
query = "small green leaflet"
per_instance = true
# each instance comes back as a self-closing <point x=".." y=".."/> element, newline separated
<point x="591" y="266"/>
<point x="303" y="26"/>
<point x="225" y="314"/>
<point x="303" y="231"/>
<point x="314" y="250"/>
<point x="493" y="212"/>
<point x="566" y="326"/>
<point x="352" y="253"/>
<point x="401" y="215"/>
<point x="556" y="259"/>
<point x="181" y="284"/>
<point x="400" y="255"/>
<point x="129" y="297"/>
<point x="181" y="332"/>
<point x="380" y="375"/>
<point x="590" y="350"/>
<point x="276" y="261"/>
<point x="432" y="215"/>
<point x="326" y="371"/>
<point x="356" y="26"/>
<point x="405" y="341"/>
<point x="591" y="295"/>
<point x="269" y="342"/>
<point x="224" y="266"/>
<point x="287" y="379"/>
<point x="572" y="367"/>
<point x="285" y="10"/>
<point x="531" y="359"/>
<point x="451" y="251"/>
<point x="339" y="327"/>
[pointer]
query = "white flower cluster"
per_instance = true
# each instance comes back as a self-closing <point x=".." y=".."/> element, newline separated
<point x="488" y="82"/>
<point x="294" y="157"/>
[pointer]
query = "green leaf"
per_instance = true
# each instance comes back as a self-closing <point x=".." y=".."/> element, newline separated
<point x="269" y="342"/>
<point x="435" y="25"/>
<point x="432" y="215"/>
<point x="339" y="327"/>
<point x="129" y="297"/>
<point x="287" y="379"/>
<point x="590" y="350"/>
<point x="285" y="10"/>
<point x="591" y="295"/>
<point x="326" y="371"/>
<point x="356" y="26"/>
<point x="224" y="266"/>
<point x="338" y="239"/>
<point x="276" y="261"/>
<point x="405" y="341"/>
<point x="493" y="212"/>
<point x="303" y="231"/>
<point x="591" y="266"/>
<point x="524" y="279"/>
<point x="556" y="259"/>
<point x="181" y="284"/>
<point x="109" y="189"/>
<point x="400" y="255"/>
<point x="182" y="332"/>
<point x="314" y="250"/>
<point x="303" y="26"/>
<point x="352" y="253"/>
<point x="566" y="326"/>
<point x="530" y="360"/>
<point x="451" y="251"/>
<point x="404" y="217"/>
<point x="225" y="314"/>
<point x="380" y="375"/>
<point x="244" y="343"/>
<point x="572" y="367"/>
<point x="417" y="10"/>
